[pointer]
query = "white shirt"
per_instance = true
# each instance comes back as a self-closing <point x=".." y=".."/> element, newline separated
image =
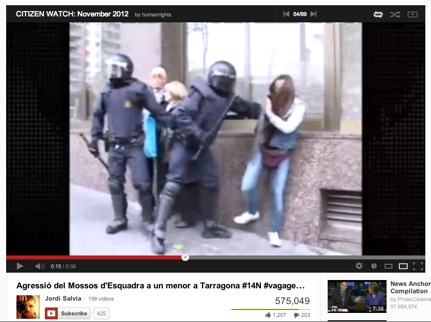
<point x="159" y="94"/>
<point x="293" y="118"/>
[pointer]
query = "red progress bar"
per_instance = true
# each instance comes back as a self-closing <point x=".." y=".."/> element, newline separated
<point x="167" y="257"/>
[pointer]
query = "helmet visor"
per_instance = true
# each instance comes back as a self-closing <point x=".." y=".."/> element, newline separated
<point x="225" y="75"/>
<point x="115" y="69"/>
<point x="223" y="83"/>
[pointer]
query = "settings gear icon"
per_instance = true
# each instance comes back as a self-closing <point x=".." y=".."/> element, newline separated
<point x="359" y="265"/>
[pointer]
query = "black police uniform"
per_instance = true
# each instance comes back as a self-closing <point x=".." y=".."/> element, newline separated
<point x="196" y="120"/>
<point x="187" y="206"/>
<point x="122" y="100"/>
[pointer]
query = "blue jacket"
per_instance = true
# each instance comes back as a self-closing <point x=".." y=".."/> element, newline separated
<point x="284" y="141"/>
<point x="149" y="125"/>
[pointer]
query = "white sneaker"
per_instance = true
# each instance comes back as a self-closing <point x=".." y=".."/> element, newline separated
<point x="274" y="239"/>
<point x="245" y="218"/>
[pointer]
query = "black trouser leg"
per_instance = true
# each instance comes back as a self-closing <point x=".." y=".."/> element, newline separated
<point x="146" y="201"/>
<point x="141" y="177"/>
<point x="119" y="203"/>
<point x="164" y="208"/>
<point x="210" y="215"/>
<point x="189" y="201"/>
<point x="117" y="160"/>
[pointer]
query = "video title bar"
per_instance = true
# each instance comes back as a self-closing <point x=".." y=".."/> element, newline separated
<point x="286" y="14"/>
<point x="215" y="266"/>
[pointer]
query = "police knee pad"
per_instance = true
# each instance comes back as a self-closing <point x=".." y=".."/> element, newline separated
<point x="171" y="189"/>
<point x="143" y="187"/>
<point x="115" y="187"/>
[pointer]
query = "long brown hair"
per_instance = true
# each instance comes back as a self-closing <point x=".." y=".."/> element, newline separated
<point x="281" y="99"/>
<point x="374" y="287"/>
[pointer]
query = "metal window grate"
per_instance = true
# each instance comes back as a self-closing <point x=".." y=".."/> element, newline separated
<point x="343" y="206"/>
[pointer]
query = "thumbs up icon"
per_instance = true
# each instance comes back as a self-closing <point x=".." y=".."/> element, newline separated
<point x="268" y="315"/>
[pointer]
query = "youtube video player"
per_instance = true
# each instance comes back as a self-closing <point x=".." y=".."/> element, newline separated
<point x="215" y="162"/>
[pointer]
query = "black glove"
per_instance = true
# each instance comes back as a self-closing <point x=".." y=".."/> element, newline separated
<point x="93" y="148"/>
<point x="173" y="124"/>
<point x="250" y="110"/>
<point x="204" y="138"/>
<point x="238" y="100"/>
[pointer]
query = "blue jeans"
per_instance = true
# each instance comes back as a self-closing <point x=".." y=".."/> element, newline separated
<point x="250" y="185"/>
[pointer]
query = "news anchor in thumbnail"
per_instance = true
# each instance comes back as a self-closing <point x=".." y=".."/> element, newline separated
<point x="374" y="297"/>
<point x="342" y="298"/>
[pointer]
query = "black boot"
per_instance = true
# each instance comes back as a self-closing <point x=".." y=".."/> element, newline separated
<point x="189" y="198"/>
<point x="213" y="230"/>
<point x="119" y="203"/>
<point x="210" y="208"/>
<point x="164" y="209"/>
<point x="181" y="224"/>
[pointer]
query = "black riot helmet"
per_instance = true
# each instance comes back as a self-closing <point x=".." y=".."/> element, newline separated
<point x="119" y="67"/>
<point x="222" y="76"/>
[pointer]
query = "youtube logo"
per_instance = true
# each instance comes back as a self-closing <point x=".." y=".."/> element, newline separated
<point x="51" y="313"/>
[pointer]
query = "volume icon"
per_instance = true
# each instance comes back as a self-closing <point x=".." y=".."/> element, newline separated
<point x="40" y="266"/>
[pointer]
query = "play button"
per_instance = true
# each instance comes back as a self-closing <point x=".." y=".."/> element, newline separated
<point x="19" y="266"/>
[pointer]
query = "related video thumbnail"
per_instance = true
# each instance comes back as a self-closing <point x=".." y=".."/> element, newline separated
<point x="28" y="307"/>
<point x="357" y="296"/>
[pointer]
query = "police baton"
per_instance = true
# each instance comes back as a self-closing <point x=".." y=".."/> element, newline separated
<point x="215" y="128"/>
<point x="98" y="157"/>
<point x="198" y="153"/>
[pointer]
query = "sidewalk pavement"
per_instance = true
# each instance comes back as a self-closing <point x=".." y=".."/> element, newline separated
<point x="91" y="210"/>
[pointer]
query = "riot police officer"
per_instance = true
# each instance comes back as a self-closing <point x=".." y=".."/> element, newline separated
<point x="197" y="120"/>
<point x="122" y="100"/>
